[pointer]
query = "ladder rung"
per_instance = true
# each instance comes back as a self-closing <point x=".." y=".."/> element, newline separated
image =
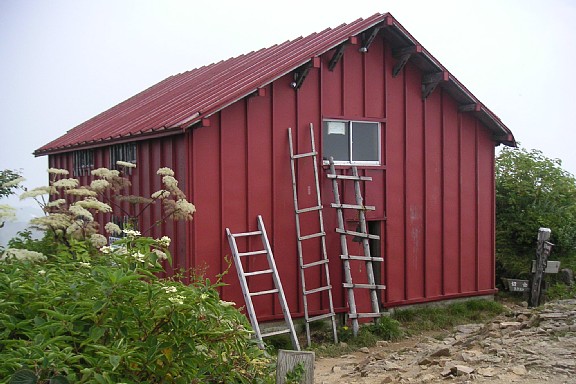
<point x="274" y="333"/>
<point x="348" y="177"/>
<point x="354" y="206"/>
<point x="264" y="292"/>
<point x="246" y="234"/>
<point x="315" y="263"/>
<point x="361" y="258"/>
<point x="310" y="209"/>
<point x="319" y="234"/>
<point x="301" y="155"/>
<point x="320" y="317"/>
<point x="255" y="273"/>
<point x="357" y="234"/>
<point x="363" y="315"/>
<point x="262" y="252"/>
<point x="367" y="286"/>
<point x="316" y="290"/>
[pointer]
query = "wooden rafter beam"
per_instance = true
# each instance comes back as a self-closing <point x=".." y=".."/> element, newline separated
<point x="403" y="55"/>
<point x="369" y="38"/>
<point x="431" y="80"/>
<point x="301" y="73"/>
<point x="339" y="52"/>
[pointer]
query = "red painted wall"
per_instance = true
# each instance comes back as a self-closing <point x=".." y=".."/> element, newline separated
<point x="434" y="191"/>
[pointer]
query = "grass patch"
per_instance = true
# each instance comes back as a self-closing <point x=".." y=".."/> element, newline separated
<point x="433" y="318"/>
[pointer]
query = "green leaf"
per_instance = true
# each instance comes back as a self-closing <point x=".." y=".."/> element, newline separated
<point x="115" y="361"/>
<point x="24" y="376"/>
<point x="59" y="380"/>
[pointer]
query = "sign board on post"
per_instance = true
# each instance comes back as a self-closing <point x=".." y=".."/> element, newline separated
<point x="551" y="267"/>
<point x="515" y="285"/>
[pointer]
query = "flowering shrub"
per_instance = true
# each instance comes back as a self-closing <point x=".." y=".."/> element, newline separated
<point x="74" y="309"/>
<point x="109" y="319"/>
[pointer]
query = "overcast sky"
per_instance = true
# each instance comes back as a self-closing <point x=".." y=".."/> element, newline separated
<point x="64" y="61"/>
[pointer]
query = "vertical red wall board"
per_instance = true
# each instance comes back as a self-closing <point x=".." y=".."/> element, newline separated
<point x="433" y="194"/>
<point x="415" y="235"/>
<point x="374" y="81"/>
<point x="259" y="173"/>
<point x="468" y="201"/>
<point x="486" y="268"/>
<point x="451" y="196"/>
<point x="395" y="187"/>
<point x="353" y="85"/>
<point x="284" y="226"/>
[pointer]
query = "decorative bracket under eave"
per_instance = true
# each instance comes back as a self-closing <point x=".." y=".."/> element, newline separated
<point x="475" y="107"/>
<point x="431" y="80"/>
<point x="339" y="52"/>
<point x="403" y="55"/>
<point x="301" y="73"/>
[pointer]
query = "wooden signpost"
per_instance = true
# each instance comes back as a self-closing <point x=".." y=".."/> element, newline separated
<point x="541" y="263"/>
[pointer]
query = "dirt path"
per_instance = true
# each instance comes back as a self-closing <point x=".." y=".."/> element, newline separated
<point x="523" y="346"/>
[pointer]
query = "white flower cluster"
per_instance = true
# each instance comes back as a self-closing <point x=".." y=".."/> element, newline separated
<point x="7" y="213"/>
<point x="164" y="241"/>
<point x="84" y="265"/>
<point x="170" y="182"/>
<point x="125" y="164"/>
<point x="54" y="221"/>
<point x="160" y="254"/>
<point x="80" y="212"/>
<point x="112" y="228"/>
<point x="99" y="185"/>
<point x="39" y="191"/>
<point x="139" y="256"/>
<point x="165" y="171"/>
<point x="57" y="171"/>
<point x="92" y="203"/>
<point x="22" y="255"/>
<point x="66" y="183"/>
<point x="55" y="203"/>
<point x="161" y="194"/>
<point x="170" y="289"/>
<point x="131" y="233"/>
<point x="13" y="183"/>
<point x="82" y="191"/>
<point x="98" y="241"/>
<point x="106" y="249"/>
<point x="177" y="299"/>
<point x="105" y="173"/>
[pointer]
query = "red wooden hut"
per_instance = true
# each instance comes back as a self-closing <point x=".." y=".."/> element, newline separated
<point x="427" y="142"/>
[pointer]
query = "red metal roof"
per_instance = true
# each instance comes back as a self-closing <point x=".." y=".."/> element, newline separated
<point x="182" y="100"/>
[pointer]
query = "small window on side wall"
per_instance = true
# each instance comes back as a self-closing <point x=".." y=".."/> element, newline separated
<point x="351" y="142"/>
<point x="122" y="152"/>
<point x="83" y="162"/>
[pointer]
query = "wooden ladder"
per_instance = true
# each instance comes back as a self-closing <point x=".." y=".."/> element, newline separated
<point x="365" y="236"/>
<point x="321" y="261"/>
<point x="242" y="275"/>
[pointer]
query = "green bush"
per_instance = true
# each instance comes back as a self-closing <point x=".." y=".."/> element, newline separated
<point x="110" y="319"/>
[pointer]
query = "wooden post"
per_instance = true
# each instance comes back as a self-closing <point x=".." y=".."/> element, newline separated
<point x="542" y="253"/>
<point x="288" y="360"/>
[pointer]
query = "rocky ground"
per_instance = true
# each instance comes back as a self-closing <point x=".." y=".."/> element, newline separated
<point x="523" y="346"/>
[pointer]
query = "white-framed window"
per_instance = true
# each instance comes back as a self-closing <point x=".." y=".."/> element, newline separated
<point x="83" y="162"/>
<point x="351" y="142"/>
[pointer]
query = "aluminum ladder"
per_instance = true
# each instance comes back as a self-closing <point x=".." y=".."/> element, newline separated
<point x="321" y="260"/>
<point x="365" y="236"/>
<point x="242" y="275"/>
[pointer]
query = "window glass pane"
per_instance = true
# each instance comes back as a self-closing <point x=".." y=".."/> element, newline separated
<point x="336" y="140"/>
<point x="365" y="143"/>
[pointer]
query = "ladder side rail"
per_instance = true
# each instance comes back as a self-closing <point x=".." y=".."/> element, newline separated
<point x="323" y="243"/>
<point x="299" y="236"/>
<point x="344" y="246"/>
<point x="244" y="286"/>
<point x="278" y="284"/>
<point x="366" y="244"/>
